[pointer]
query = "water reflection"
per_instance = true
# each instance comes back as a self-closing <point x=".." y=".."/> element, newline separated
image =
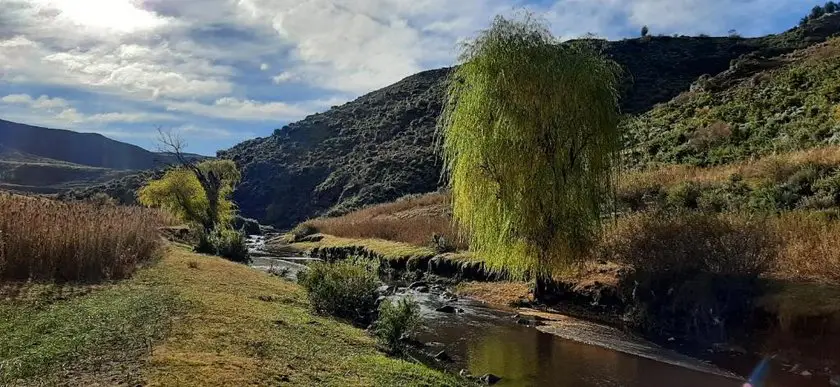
<point x="527" y="357"/>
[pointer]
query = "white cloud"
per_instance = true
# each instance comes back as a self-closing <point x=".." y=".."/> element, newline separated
<point x="248" y="110"/>
<point x="42" y="102"/>
<point x="284" y="77"/>
<point x="59" y="111"/>
<point x="264" y="67"/>
<point x="111" y="15"/>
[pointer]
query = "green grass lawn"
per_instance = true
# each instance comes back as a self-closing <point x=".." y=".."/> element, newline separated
<point x="188" y="320"/>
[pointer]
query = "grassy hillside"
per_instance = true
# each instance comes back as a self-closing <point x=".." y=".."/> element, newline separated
<point x="382" y="145"/>
<point x="793" y="104"/>
<point x="187" y="320"/>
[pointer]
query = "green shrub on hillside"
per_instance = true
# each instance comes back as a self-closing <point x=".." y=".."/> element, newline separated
<point x="789" y="106"/>
<point x="396" y="319"/>
<point x="224" y="242"/>
<point x="345" y="289"/>
<point x="785" y="188"/>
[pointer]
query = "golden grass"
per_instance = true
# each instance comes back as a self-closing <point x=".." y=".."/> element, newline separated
<point x="775" y="167"/>
<point x="387" y="249"/>
<point x="413" y="220"/>
<point x="42" y="239"/>
<point x="810" y="248"/>
<point x="495" y="293"/>
<point x="247" y="328"/>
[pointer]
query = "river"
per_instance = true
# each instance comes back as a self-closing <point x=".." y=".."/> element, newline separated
<point x="561" y="352"/>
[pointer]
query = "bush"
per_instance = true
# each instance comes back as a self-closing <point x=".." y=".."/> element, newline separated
<point x="396" y="319"/>
<point x="303" y="230"/>
<point x="345" y="289"/>
<point x="684" y="195"/>
<point x="43" y="239"/>
<point x="691" y="242"/>
<point x="226" y="243"/>
<point x="694" y="273"/>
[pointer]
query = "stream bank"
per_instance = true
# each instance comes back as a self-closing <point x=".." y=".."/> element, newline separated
<point x="594" y="298"/>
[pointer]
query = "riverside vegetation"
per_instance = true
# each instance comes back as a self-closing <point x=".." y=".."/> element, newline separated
<point x="724" y="225"/>
<point x="92" y="295"/>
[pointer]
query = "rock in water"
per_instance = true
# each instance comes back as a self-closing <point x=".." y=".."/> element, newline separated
<point x="417" y="284"/>
<point x="489" y="379"/>
<point x="446" y="309"/>
<point x="442" y="356"/>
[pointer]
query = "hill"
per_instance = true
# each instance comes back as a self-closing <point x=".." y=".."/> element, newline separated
<point x="381" y="146"/>
<point x="791" y="104"/>
<point x="88" y="149"/>
<point x="42" y="160"/>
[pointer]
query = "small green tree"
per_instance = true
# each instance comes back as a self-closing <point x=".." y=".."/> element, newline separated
<point x="530" y="138"/>
<point x="180" y="192"/>
<point x="830" y="7"/>
<point x="645" y="31"/>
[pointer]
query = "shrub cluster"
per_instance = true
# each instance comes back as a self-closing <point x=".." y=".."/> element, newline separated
<point x="42" y="239"/>
<point x="396" y="319"/>
<point x="224" y="242"/>
<point x="344" y="289"/>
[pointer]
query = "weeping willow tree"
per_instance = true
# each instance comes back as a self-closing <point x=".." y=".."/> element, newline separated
<point x="530" y="137"/>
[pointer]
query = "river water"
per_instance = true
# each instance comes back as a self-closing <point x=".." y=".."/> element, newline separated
<point x="567" y="352"/>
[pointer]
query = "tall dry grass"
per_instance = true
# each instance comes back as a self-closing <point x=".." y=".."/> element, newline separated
<point x="42" y="239"/>
<point x="691" y="242"/>
<point x="775" y="167"/>
<point x="414" y="220"/>
<point x="810" y="249"/>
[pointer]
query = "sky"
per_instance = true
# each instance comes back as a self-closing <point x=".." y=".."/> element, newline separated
<point x="222" y="71"/>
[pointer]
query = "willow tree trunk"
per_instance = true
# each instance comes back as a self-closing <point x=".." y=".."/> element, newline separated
<point x="541" y="289"/>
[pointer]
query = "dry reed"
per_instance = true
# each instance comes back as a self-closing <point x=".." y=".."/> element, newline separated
<point x="414" y="220"/>
<point x="43" y="239"/>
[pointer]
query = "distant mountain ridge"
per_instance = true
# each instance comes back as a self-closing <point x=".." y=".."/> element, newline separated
<point x="43" y="160"/>
<point x="382" y="145"/>
<point x="88" y="149"/>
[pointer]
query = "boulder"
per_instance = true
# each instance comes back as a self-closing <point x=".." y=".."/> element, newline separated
<point x="446" y="309"/>
<point x="489" y="379"/>
<point x="443" y="356"/>
<point x="417" y="284"/>
<point x="247" y="225"/>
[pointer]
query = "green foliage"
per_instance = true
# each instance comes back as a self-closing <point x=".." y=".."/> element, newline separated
<point x="806" y="187"/>
<point x="787" y="107"/>
<point x="645" y="31"/>
<point x="684" y="195"/>
<point x="224" y="242"/>
<point x="345" y="289"/>
<point x="396" y="319"/>
<point x="180" y="192"/>
<point x="528" y="168"/>
<point x="302" y="230"/>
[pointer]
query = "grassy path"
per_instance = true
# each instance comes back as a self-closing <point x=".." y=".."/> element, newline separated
<point x="188" y="320"/>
